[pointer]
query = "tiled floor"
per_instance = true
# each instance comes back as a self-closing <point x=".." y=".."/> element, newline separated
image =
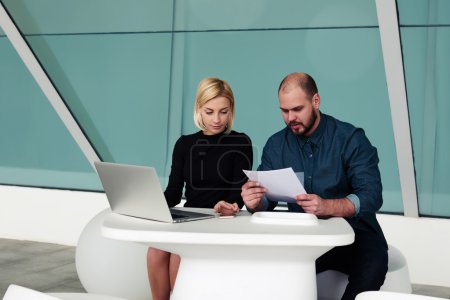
<point x="40" y="266"/>
<point x="51" y="268"/>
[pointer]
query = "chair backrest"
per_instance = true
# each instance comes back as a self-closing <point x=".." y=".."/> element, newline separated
<point x="17" y="292"/>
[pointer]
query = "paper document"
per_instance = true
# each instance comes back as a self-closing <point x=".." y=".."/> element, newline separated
<point x="281" y="185"/>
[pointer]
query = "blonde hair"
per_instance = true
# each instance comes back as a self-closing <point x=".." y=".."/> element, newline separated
<point x="208" y="89"/>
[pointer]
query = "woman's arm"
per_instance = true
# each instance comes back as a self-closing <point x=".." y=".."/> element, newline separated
<point x="174" y="189"/>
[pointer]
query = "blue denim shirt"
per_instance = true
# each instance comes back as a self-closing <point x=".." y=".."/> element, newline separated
<point x="337" y="161"/>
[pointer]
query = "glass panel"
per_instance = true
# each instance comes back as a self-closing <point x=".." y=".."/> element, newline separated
<point x="346" y="63"/>
<point x="36" y="150"/>
<point x="68" y="17"/>
<point x="427" y="69"/>
<point x="117" y="86"/>
<point x="424" y="12"/>
<point x="238" y="14"/>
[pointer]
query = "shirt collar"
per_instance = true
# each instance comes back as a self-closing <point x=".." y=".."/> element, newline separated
<point x="316" y="135"/>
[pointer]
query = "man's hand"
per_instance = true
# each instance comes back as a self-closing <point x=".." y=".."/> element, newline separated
<point x="252" y="194"/>
<point x="314" y="204"/>
<point x="226" y="209"/>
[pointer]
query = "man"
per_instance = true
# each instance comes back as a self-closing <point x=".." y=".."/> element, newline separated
<point x="341" y="178"/>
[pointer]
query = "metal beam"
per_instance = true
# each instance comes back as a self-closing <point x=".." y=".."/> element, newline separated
<point x="395" y="78"/>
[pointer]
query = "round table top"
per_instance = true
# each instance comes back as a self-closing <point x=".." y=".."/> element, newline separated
<point x="240" y="230"/>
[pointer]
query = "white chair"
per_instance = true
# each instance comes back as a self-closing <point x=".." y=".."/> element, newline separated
<point x="17" y="292"/>
<point x="331" y="284"/>
<point x="111" y="267"/>
<point x="383" y="295"/>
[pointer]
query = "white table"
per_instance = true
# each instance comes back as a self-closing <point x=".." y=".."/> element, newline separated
<point x="238" y="258"/>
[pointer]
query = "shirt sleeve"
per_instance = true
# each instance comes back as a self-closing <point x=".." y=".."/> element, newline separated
<point x="363" y="174"/>
<point x="174" y="189"/>
<point x="355" y="201"/>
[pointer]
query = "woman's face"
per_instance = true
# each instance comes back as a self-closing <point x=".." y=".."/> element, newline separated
<point x="215" y="115"/>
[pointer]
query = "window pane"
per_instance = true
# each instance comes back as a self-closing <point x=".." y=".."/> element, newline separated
<point x="37" y="149"/>
<point x="427" y="69"/>
<point x="117" y="86"/>
<point x="125" y="88"/>
<point x="238" y="14"/>
<point x="93" y="16"/>
<point x="424" y="12"/>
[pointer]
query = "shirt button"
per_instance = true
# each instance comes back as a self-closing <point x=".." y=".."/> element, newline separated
<point x="309" y="177"/>
<point x="310" y="156"/>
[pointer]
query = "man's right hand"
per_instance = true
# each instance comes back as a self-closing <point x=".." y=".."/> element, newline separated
<point x="252" y="194"/>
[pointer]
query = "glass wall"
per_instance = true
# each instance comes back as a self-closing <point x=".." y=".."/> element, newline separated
<point x="425" y="35"/>
<point x="110" y="62"/>
<point x="128" y="72"/>
<point x="36" y="149"/>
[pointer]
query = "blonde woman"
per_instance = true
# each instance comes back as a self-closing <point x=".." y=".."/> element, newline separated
<point x="208" y="165"/>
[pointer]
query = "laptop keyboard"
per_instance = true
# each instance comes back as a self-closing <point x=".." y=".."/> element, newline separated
<point x="178" y="216"/>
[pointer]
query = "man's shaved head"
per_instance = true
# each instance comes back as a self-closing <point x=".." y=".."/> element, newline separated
<point x="302" y="80"/>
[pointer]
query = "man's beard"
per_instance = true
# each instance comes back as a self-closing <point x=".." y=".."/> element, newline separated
<point x="308" y="125"/>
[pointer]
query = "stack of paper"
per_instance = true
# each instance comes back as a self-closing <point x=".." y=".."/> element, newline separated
<point x="281" y="185"/>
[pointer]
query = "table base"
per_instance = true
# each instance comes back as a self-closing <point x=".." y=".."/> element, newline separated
<point x="204" y="279"/>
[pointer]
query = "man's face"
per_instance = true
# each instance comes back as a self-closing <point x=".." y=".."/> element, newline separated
<point x="299" y="111"/>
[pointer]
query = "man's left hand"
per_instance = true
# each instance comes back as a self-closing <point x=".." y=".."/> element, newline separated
<point x="312" y="204"/>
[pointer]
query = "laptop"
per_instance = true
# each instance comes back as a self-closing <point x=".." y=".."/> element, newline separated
<point x="135" y="191"/>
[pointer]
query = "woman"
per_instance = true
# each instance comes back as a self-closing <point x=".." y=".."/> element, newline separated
<point x="208" y="164"/>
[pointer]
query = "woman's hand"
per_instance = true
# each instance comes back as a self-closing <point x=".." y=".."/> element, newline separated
<point x="226" y="209"/>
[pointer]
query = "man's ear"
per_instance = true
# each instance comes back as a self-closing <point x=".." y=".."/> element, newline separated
<point x="316" y="100"/>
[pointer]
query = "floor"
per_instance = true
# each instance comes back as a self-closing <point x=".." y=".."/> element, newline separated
<point x="51" y="268"/>
<point x="40" y="266"/>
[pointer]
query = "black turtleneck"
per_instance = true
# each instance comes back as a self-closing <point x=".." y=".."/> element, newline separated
<point x="211" y="168"/>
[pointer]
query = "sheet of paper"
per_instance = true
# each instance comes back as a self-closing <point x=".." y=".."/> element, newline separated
<point x="281" y="184"/>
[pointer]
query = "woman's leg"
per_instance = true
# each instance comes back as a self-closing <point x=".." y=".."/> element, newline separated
<point x="158" y="273"/>
<point x="173" y="269"/>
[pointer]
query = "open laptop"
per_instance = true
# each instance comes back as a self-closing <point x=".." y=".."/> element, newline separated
<point x="135" y="191"/>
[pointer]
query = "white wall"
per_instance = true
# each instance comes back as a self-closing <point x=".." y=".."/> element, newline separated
<point x="425" y="242"/>
<point x="46" y="215"/>
<point x="55" y="216"/>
